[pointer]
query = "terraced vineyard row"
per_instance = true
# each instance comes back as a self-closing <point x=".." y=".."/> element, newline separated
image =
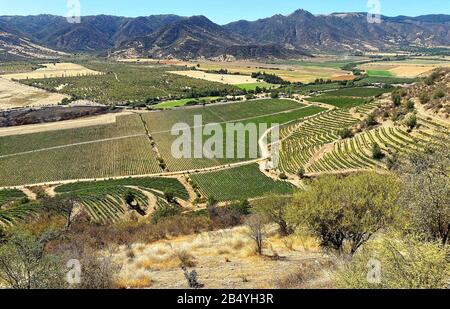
<point x="104" y="201"/>
<point x="7" y="196"/>
<point x="303" y="140"/>
<point x="355" y="153"/>
<point x="17" y="213"/>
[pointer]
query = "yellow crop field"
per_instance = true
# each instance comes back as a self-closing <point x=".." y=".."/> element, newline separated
<point x="220" y="78"/>
<point x="54" y="70"/>
<point x="409" y="68"/>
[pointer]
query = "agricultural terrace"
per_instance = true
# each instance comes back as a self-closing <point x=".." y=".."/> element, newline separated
<point x="123" y="83"/>
<point x="52" y="70"/>
<point x="104" y="200"/>
<point x="348" y="97"/>
<point x="244" y="182"/>
<point x="258" y="112"/>
<point x="356" y="154"/>
<point x="14" y="207"/>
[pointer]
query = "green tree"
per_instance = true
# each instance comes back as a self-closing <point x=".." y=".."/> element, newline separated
<point x="402" y="263"/>
<point x="25" y="265"/>
<point x="169" y="195"/>
<point x="424" y="98"/>
<point x="377" y="154"/>
<point x="273" y="208"/>
<point x="396" y="99"/>
<point x="274" y="94"/>
<point x="411" y="122"/>
<point x="425" y="190"/>
<point x="346" y="211"/>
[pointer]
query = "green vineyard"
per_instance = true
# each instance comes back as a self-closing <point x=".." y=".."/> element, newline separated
<point x="12" y="212"/>
<point x="300" y="141"/>
<point x="239" y="183"/>
<point x="104" y="200"/>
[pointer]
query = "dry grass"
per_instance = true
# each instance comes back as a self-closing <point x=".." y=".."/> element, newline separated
<point x="141" y="281"/>
<point x="220" y="78"/>
<point x="13" y="94"/>
<point x="54" y="70"/>
<point x="223" y="259"/>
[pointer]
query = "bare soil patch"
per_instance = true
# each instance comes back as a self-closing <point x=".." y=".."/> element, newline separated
<point x="54" y="70"/>
<point x="14" y="95"/>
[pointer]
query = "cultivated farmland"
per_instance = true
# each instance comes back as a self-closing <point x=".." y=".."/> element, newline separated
<point x="104" y="200"/>
<point x="238" y="183"/>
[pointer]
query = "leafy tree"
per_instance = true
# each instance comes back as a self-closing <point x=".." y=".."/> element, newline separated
<point x="273" y="209"/>
<point x="396" y="99"/>
<point x="346" y="211"/>
<point x="169" y="195"/>
<point x="377" y="154"/>
<point x="411" y="122"/>
<point x="404" y="263"/>
<point x="274" y="94"/>
<point x="24" y="264"/>
<point x="345" y="133"/>
<point x="424" y="98"/>
<point x="301" y="172"/>
<point x="129" y="197"/>
<point x="370" y="120"/>
<point x="242" y="208"/>
<point x="425" y="190"/>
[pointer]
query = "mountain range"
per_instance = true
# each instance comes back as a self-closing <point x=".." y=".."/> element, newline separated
<point x="170" y="36"/>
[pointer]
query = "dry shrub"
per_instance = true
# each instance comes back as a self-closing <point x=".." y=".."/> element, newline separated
<point x="127" y="233"/>
<point x="134" y="283"/>
<point x="306" y="272"/>
<point x="186" y="259"/>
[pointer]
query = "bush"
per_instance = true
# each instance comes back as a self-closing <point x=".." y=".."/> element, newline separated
<point x="346" y="211"/>
<point x="165" y="211"/>
<point x="371" y="121"/>
<point x="424" y="98"/>
<point x="404" y="263"/>
<point x="377" y="154"/>
<point x="283" y="176"/>
<point x="411" y="122"/>
<point x="439" y="94"/>
<point x="25" y="265"/>
<point x="410" y="105"/>
<point x="396" y="99"/>
<point x="345" y="133"/>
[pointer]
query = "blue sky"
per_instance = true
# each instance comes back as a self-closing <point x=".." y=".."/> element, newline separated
<point x="221" y="11"/>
